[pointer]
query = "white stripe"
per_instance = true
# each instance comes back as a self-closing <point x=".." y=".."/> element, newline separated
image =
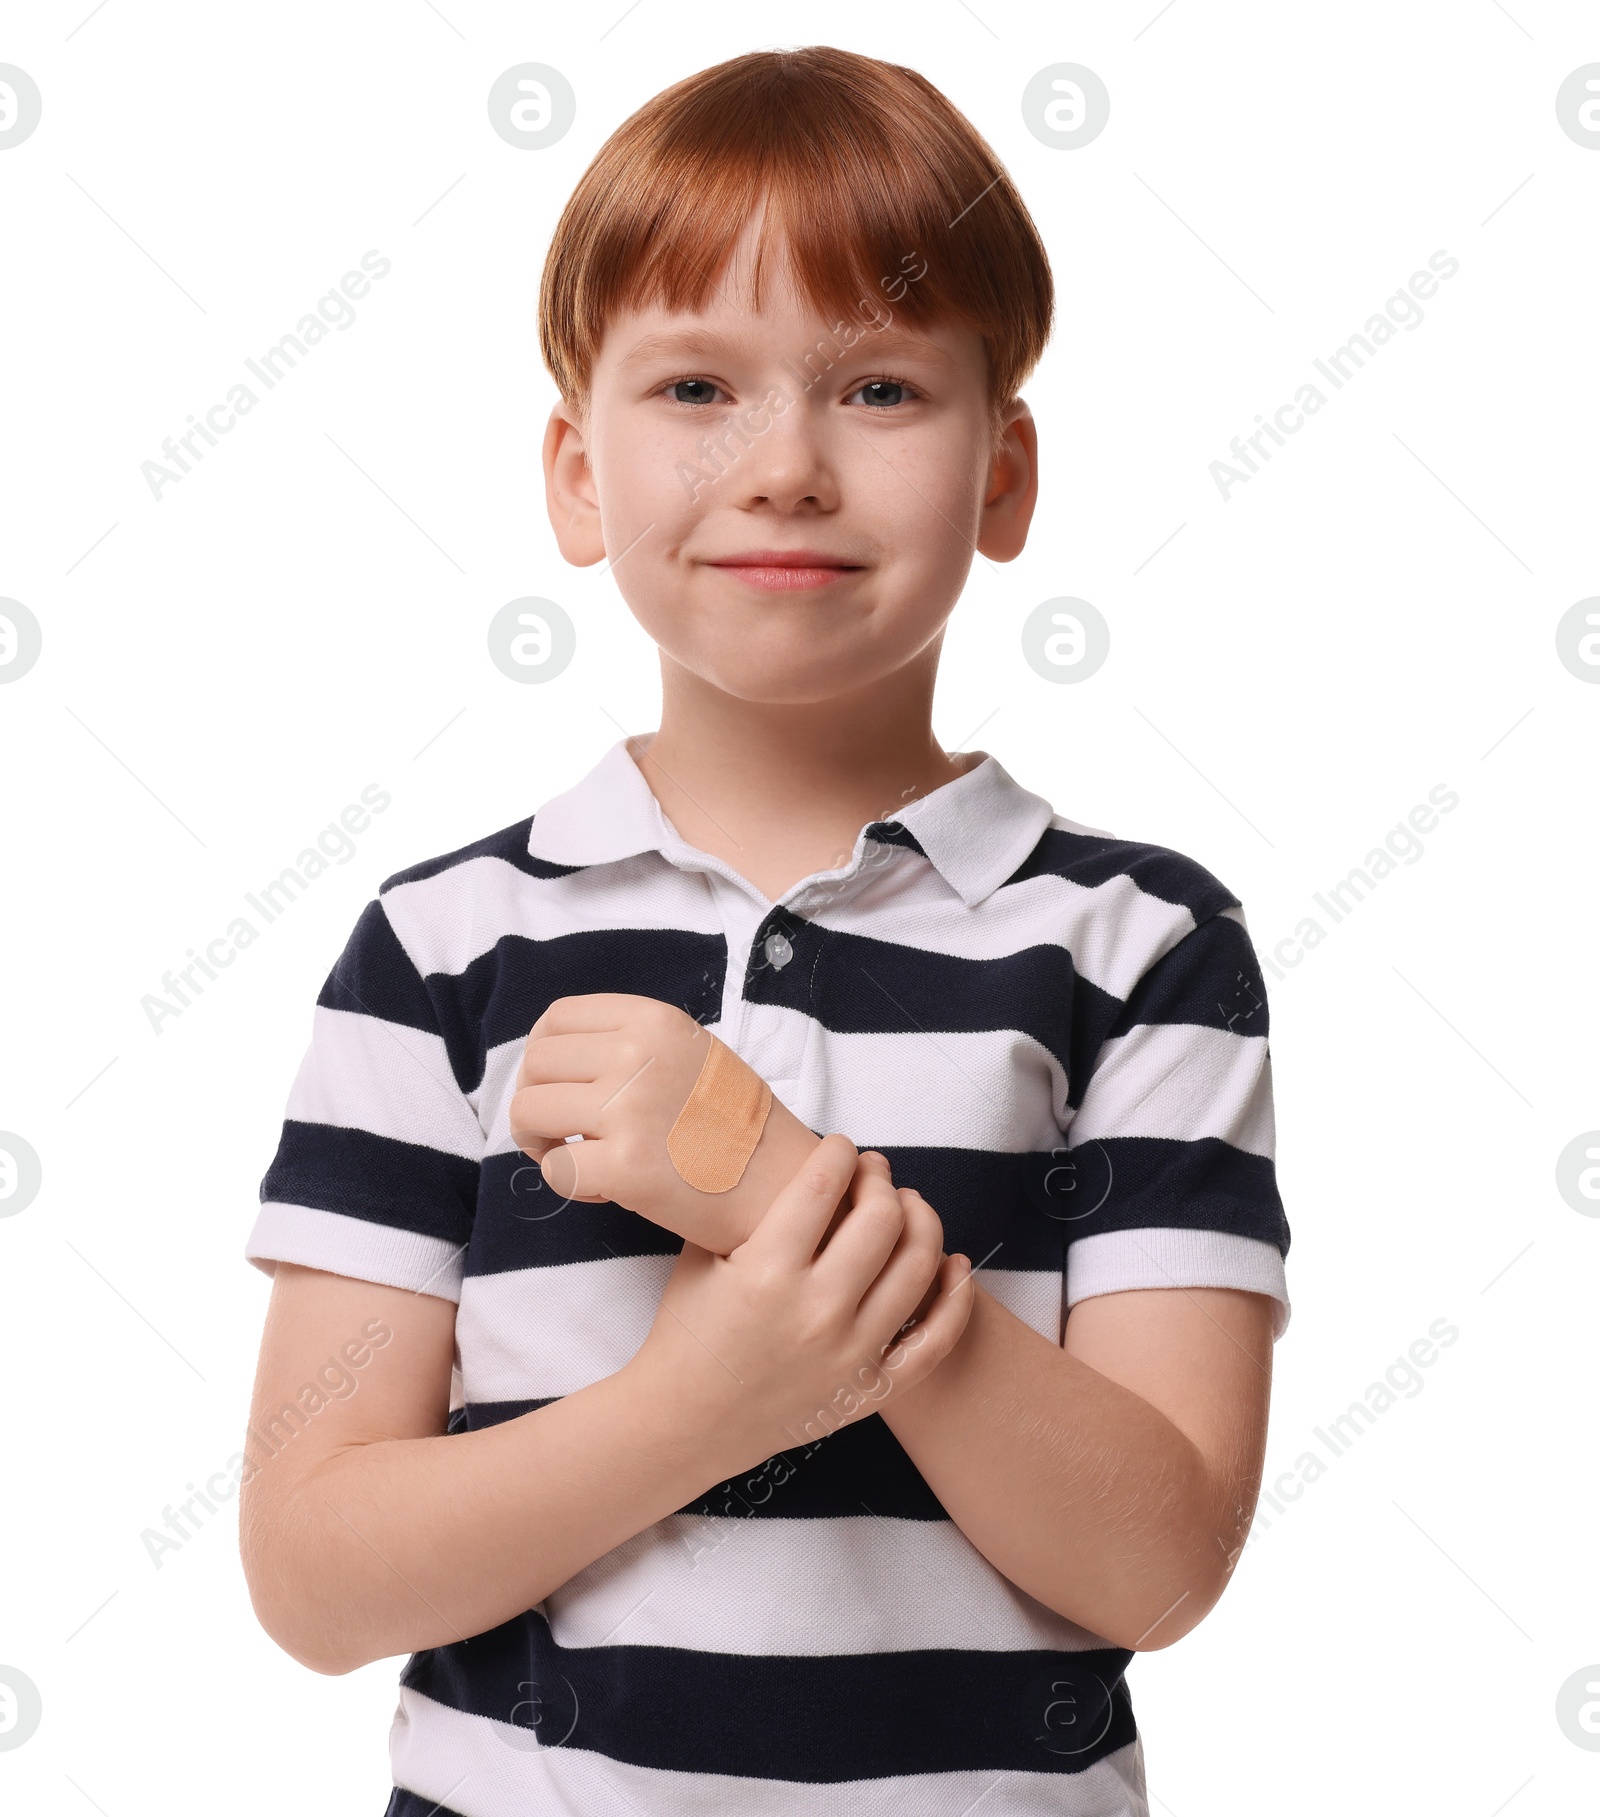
<point x="1115" y="1260"/>
<point x="362" y="1072"/>
<point x="997" y="1089"/>
<point x="484" y="1768"/>
<point x="532" y="1333"/>
<point x="535" y="1333"/>
<point x="1114" y="930"/>
<point x="353" y="1246"/>
<point x="727" y="1584"/>
<point x="446" y="921"/>
<point x="1183" y="1082"/>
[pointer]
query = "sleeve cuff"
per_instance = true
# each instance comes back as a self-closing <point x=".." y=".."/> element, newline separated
<point x="354" y="1246"/>
<point x="1116" y="1261"/>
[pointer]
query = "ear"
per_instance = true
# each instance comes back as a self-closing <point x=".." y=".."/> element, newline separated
<point x="1012" y="488"/>
<point x="569" y="489"/>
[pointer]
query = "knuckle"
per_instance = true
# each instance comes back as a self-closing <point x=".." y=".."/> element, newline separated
<point x="666" y="1019"/>
<point x="925" y="1220"/>
<point x="817" y="1180"/>
<point x="886" y="1209"/>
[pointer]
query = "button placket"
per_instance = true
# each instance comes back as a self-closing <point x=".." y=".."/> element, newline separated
<point x="773" y="946"/>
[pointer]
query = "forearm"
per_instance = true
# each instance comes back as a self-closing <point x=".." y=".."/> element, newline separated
<point x="395" y="1545"/>
<point x="1073" y="1487"/>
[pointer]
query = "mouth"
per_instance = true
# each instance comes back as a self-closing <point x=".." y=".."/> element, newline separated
<point x="787" y="570"/>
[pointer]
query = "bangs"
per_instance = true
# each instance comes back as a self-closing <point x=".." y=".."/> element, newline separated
<point x="888" y="202"/>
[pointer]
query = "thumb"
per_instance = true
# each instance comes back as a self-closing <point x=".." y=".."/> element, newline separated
<point x="564" y="1172"/>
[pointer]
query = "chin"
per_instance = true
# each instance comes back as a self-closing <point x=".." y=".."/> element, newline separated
<point x="799" y="683"/>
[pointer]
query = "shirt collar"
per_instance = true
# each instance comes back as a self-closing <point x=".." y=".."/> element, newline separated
<point x="974" y="830"/>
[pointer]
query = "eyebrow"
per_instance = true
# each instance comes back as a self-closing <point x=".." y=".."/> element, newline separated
<point x="708" y="342"/>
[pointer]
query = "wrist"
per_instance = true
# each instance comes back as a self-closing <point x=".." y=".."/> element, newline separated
<point x="785" y="1147"/>
<point x="693" y="1436"/>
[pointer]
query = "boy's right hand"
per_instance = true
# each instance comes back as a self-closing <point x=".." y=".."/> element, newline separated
<point x="779" y="1343"/>
<point x="618" y="1069"/>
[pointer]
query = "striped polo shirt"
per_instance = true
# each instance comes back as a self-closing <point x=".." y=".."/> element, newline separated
<point x="1058" y="1036"/>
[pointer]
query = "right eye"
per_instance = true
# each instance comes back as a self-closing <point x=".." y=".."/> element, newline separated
<point x="674" y="386"/>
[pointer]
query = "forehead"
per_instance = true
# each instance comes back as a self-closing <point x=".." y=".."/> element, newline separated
<point x="760" y="266"/>
<point x="645" y="337"/>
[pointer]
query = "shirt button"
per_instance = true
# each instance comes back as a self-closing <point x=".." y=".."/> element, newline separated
<point x="778" y="950"/>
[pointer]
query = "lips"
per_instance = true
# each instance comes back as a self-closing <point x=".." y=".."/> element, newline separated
<point x="786" y="570"/>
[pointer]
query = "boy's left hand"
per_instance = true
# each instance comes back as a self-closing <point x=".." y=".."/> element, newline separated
<point x="617" y="1069"/>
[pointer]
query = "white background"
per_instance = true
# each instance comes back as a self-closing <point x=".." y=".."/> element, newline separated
<point x="1372" y="615"/>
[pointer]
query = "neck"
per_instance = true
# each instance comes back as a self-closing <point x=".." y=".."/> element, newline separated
<point x="781" y="791"/>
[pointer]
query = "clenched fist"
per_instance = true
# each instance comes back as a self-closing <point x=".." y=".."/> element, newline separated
<point x="619" y="1071"/>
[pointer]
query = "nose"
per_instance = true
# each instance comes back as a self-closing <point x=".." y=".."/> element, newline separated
<point x="782" y="454"/>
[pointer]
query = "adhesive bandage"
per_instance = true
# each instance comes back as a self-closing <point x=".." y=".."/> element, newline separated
<point x="720" y="1124"/>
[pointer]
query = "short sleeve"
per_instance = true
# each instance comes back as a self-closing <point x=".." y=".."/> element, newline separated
<point x="1172" y="1144"/>
<point x="376" y="1172"/>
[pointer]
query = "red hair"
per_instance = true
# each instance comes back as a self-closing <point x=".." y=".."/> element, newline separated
<point x="870" y="176"/>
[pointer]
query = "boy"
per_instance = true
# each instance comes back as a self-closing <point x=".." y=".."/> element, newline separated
<point x="743" y="1496"/>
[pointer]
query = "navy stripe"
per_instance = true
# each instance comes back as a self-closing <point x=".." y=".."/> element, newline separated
<point x="853" y="984"/>
<point x="1014" y="1211"/>
<point x="374" y="976"/>
<point x="816" y="1719"/>
<point x="412" y="1804"/>
<point x="891" y="832"/>
<point x="505" y="990"/>
<point x="510" y="844"/>
<point x="1140" y="1182"/>
<point x="1091" y="859"/>
<point x="521" y="1223"/>
<point x="994" y="1207"/>
<point x="857" y="1469"/>
<point x="1211" y="977"/>
<point x="403" y="1185"/>
<point x="826" y="1477"/>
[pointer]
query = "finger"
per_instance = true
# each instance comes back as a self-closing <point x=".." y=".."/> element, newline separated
<point x="792" y="1227"/>
<point x="540" y="1112"/>
<point x="580" y="1058"/>
<point x="574" y="1171"/>
<point x="869" y="1161"/>
<point x="951" y="1270"/>
<point x="951" y="1284"/>
<point x="583" y="1170"/>
<point x="913" y="1354"/>
<point x="894" y="1295"/>
<point x="588" y="1013"/>
<point x="925" y="1304"/>
<point x="866" y="1235"/>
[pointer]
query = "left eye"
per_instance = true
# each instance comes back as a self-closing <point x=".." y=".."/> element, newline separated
<point x="703" y="385"/>
<point x="881" y="386"/>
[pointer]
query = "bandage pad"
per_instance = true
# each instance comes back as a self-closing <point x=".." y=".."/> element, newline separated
<point x="717" y="1130"/>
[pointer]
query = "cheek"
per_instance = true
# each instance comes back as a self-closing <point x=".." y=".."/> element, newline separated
<point x="639" y="463"/>
<point x="635" y="479"/>
<point x="929" y="490"/>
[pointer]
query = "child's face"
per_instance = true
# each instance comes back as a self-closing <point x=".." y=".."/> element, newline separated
<point x="728" y="434"/>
